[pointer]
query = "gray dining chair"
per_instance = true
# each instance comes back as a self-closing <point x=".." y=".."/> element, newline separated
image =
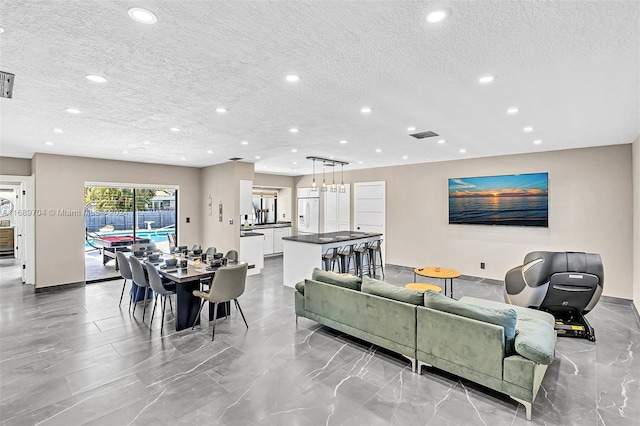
<point x="228" y="284"/>
<point x="232" y="255"/>
<point x="155" y="282"/>
<point x="125" y="272"/>
<point x="141" y="281"/>
<point x="211" y="251"/>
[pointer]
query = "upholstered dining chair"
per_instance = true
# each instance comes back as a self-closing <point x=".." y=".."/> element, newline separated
<point x="232" y="255"/>
<point x="210" y="251"/>
<point x="172" y="242"/>
<point x="125" y="272"/>
<point x="141" y="281"/>
<point x="228" y="284"/>
<point x="155" y="282"/>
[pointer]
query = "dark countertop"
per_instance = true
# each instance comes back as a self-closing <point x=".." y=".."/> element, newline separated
<point x="332" y="237"/>
<point x="272" y="225"/>
<point x="250" y="234"/>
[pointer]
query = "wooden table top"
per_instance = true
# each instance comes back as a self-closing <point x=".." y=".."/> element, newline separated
<point x="423" y="287"/>
<point x="430" y="271"/>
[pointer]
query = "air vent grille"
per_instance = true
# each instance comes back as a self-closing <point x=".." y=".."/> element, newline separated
<point x="235" y="158"/>
<point x="6" y="84"/>
<point x="423" y="135"/>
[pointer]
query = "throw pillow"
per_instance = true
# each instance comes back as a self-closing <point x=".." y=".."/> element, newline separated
<point x="348" y="281"/>
<point x="505" y="317"/>
<point x="535" y="340"/>
<point x="390" y="291"/>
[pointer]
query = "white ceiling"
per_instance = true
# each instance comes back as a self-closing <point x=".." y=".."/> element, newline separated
<point x="572" y="69"/>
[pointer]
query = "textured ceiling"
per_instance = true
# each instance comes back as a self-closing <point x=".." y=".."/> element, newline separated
<point x="572" y="69"/>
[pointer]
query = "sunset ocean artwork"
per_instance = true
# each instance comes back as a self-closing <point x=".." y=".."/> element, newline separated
<point x="514" y="200"/>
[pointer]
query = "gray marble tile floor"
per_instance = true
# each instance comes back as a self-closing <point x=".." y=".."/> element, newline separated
<point x="73" y="357"/>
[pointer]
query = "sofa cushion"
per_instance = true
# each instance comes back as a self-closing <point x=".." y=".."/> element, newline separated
<point x="535" y="340"/>
<point x="502" y="316"/>
<point x="348" y="281"/>
<point x="390" y="291"/>
<point x="300" y="287"/>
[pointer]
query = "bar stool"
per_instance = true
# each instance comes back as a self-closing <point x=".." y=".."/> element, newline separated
<point x="375" y="250"/>
<point x="346" y="255"/>
<point x="361" y="251"/>
<point x="329" y="259"/>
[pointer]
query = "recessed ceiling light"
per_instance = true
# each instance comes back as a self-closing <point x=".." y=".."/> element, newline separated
<point x="294" y="150"/>
<point x="437" y="16"/>
<point x="184" y="158"/>
<point x="1" y="30"/>
<point x="293" y="130"/>
<point x="512" y="110"/>
<point x="73" y="111"/>
<point x="209" y="152"/>
<point x="174" y="129"/>
<point x="96" y="78"/>
<point x="124" y="151"/>
<point x="221" y="110"/>
<point x="441" y="141"/>
<point x="57" y="130"/>
<point x="365" y="110"/>
<point x="244" y="143"/>
<point x="404" y="157"/>
<point x="411" y="129"/>
<point x="142" y="15"/>
<point x="292" y="78"/>
<point x="486" y="79"/>
<point x="378" y="150"/>
<point x="146" y="143"/>
<point x="295" y="162"/>
<point x="343" y="141"/>
<point x="48" y="143"/>
<point x="360" y="162"/>
<point x="257" y="157"/>
<point x="537" y="142"/>
<point x="462" y="151"/>
<point x="528" y="129"/>
<point x="332" y="157"/>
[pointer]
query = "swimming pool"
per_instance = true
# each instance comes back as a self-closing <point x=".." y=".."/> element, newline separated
<point x="156" y="236"/>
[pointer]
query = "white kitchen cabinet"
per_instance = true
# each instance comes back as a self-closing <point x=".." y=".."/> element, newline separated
<point x="278" y="234"/>
<point x="337" y="210"/>
<point x="251" y="252"/>
<point x="267" y="243"/>
<point x="246" y="197"/>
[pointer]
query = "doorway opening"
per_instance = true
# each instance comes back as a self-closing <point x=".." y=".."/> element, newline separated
<point x="118" y="216"/>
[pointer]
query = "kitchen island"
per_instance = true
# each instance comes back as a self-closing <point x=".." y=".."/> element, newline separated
<point x="302" y="253"/>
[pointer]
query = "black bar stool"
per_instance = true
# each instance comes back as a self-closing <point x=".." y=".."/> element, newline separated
<point x="347" y="254"/>
<point x="375" y="251"/>
<point x="362" y="251"/>
<point x="330" y="258"/>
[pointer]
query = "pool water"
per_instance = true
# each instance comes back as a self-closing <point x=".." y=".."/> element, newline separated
<point x="156" y="237"/>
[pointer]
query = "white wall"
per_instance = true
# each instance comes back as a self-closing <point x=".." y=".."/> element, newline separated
<point x="59" y="184"/>
<point x="636" y="223"/>
<point x="590" y="210"/>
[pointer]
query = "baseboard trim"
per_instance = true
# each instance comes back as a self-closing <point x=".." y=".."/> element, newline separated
<point x="58" y="287"/>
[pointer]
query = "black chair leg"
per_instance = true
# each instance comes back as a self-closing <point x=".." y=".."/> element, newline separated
<point x="124" y="284"/>
<point x="170" y="305"/>
<point x="144" y="302"/>
<point x="135" y="302"/>
<point x="153" y="313"/>
<point x="215" y="314"/>
<point x="198" y="316"/>
<point x="164" y="305"/>
<point x="241" y="313"/>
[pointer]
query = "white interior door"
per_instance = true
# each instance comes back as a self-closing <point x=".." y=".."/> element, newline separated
<point x="369" y="206"/>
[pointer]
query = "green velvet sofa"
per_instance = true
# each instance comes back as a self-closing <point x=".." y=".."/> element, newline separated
<point x="503" y="347"/>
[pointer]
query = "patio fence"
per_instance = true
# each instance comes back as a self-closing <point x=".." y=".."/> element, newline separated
<point x="124" y="220"/>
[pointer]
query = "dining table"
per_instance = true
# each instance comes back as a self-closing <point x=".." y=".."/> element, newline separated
<point x="187" y="280"/>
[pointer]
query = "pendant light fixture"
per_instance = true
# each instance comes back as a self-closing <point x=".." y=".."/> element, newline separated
<point x="330" y="163"/>
<point x="324" y="182"/>
<point x="314" y="185"/>
<point x="334" y="187"/>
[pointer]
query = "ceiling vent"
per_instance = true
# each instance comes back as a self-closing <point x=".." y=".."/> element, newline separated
<point x="6" y="84"/>
<point x="235" y="158"/>
<point x="423" y="135"/>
